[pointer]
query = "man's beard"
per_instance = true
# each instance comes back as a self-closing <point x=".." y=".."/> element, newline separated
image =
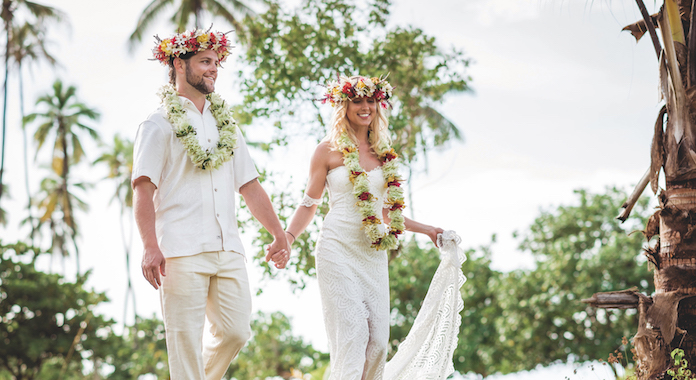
<point x="197" y="83"/>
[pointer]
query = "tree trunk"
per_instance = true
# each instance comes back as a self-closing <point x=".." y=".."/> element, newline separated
<point x="25" y="142"/>
<point x="130" y="292"/>
<point x="68" y="215"/>
<point x="4" y="104"/>
<point x="673" y="312"/>
<point x="667" y="320"/>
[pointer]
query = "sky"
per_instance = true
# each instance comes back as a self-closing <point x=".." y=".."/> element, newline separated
<point x="562" y="100"/>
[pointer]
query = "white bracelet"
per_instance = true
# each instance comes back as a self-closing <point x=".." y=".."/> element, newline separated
<point x="308" y="201"/>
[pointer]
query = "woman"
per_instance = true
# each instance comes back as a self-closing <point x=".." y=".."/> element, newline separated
<point x="358" y="166"/>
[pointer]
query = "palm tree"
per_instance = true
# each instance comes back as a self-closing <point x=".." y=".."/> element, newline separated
<point x="119" y="159"/>
<point x="56" y="201"/>
<point x="187" y="8"/>
<point x="28" y="45"/>
<point x="3" y="212"/>
<point x="667" y="320"/>
<point x="62" y="118"/>
<point x="42" y="14"/>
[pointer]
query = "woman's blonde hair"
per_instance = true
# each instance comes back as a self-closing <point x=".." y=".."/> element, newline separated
<point x="377" y="133"/>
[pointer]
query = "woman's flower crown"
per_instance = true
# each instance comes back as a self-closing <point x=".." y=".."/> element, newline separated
<point x="358" y="87"/>
<point x="191" y="41"/>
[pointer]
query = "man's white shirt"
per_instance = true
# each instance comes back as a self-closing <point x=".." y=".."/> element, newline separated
<point x="194" y="208"/>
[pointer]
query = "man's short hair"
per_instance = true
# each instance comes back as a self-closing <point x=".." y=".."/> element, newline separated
<point x="172" y="70"/>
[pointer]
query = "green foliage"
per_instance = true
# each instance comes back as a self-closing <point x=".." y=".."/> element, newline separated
<point x="293" y="51"/>
<point x="579" y="250"/>
<point x="119" y="159"/>
<point x="274" y="351"/>
<point x="301" y="264"/>
<point x="229" y="10"/>
<point x="515" y="321"/>
<point x="63" y="117"/>
<point x="23" y="43"/>
<point x="43" y="316"/>
<point x="681" y="369"/>
<point x="141" y="350"/>
<point x="409" y="278"/>
<point x="479" y="346"/>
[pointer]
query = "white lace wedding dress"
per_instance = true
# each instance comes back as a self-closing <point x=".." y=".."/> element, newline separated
<point x="354" y="285"/>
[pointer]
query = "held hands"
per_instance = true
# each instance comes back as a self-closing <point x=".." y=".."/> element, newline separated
<point x="278" y="252"/>
<point x="153" y="265"/>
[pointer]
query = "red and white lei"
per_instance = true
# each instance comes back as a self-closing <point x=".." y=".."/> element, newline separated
<point x="366" y="201"/>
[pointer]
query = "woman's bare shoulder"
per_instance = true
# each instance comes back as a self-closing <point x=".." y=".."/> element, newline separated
<point x="329" y="157"/>
<point x="323" y="148"/>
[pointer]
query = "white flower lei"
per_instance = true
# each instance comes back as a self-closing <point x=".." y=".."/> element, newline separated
<point x="366" y="201"/>
<point x="226" y="125"/>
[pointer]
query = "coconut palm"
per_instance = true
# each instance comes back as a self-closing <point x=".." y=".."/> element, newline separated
<point x="232" y="11"/>
<point x="119" y="159"/>
<point x="62" y="118"/>
<point x="56" y="201"/>
<point x="667" y="320"/>
<point x="28" y="46"/>
<point x="41" y="14"/>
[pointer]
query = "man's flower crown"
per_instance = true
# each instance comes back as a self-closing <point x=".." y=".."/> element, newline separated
<point x="358" y="87"/>
<point x="191" y="41"/>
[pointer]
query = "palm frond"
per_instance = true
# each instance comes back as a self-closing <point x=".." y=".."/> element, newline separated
<point x="149" y="15"/>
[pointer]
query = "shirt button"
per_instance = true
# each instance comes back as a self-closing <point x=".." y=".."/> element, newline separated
<point x="216" y="190"/>
<point x="218" y="215"/>
<point x="219" y="237"/>
<point x="208" y="140"/>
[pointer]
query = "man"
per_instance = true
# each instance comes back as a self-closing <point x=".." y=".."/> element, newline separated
<point x="189" y="158"/>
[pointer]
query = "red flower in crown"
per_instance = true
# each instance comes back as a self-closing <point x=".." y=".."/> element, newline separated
<point x="365" y="196"/>
<point x="347" y="89"/>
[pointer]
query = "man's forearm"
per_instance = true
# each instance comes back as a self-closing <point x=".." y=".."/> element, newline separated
<point x="144" y="212"/>
<point x="261" y="207"/>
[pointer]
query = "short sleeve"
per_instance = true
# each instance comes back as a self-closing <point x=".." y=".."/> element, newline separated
<point x="149" y="152"/>
<point x="244" y="168"/>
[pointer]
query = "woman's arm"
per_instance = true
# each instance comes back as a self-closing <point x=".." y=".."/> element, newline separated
<point x="318" y="169"/>
<point x="417" y="227"/>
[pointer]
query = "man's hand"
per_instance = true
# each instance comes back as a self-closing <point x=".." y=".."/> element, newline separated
<point x="261" y="208"/>
<point x="278" y="251"/>
<point x="153" y="265"/>
<point x="144" y="210"/>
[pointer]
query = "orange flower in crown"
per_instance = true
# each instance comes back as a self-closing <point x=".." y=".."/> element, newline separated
<point x="345" y="88"/>
<point x="191" y="41"/>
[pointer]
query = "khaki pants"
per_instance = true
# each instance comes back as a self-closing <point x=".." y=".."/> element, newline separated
<point x="212" y="284"/>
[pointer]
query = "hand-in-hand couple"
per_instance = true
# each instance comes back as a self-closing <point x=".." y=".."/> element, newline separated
<point x="279" y="252"/>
